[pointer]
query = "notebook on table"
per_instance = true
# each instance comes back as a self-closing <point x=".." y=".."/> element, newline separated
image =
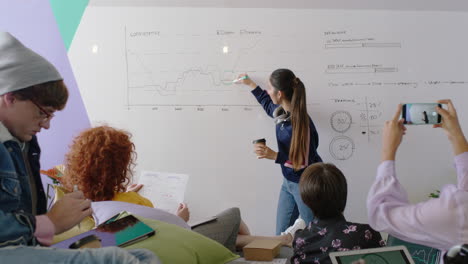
<point x="121" y="230"/>
<point x="383" y="255"/>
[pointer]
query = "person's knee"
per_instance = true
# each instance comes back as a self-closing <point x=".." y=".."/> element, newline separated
<point x="231" y="213"/>
<point x="145" y="256"/>
<point x="235" y="211"/>
<point x="119" y="255"/>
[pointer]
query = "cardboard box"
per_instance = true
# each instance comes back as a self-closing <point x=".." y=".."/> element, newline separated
<point x="263" y="250"/>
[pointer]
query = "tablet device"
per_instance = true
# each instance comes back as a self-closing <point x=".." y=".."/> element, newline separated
<point x="383" y="255"/>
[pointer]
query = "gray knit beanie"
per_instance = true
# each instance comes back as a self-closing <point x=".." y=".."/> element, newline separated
<point x="21" y="67"/>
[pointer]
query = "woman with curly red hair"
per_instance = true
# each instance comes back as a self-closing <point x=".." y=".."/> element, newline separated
<point x="100" y="163"/>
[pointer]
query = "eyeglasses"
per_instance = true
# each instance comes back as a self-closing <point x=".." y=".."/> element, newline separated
<point x="45" y="116"/>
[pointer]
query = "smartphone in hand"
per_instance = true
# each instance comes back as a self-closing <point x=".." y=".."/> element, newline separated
<point x="421" y="114"/>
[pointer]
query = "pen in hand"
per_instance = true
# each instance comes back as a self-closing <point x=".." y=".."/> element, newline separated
<point x="75" y="189"/>
<point x="241" y="78"/>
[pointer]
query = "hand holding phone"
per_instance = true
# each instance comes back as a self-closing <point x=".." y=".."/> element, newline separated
<point x="452" y="127"/>
<point x="421" y="114"/>
<point x="392" y="135"/>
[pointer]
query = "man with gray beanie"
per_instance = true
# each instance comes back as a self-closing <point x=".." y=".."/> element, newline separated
<point x="31" y="90"/>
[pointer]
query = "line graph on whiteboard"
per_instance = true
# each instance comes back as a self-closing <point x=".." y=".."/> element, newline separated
<point x="173" y="69"/>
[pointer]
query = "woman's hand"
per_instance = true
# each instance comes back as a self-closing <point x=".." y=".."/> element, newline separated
<point x="264" y="152"/>
<point x="392" y="136"/>
<point x="451" y="126"/>
<point x="245" y="79"/>
<point x="183" y="212"/>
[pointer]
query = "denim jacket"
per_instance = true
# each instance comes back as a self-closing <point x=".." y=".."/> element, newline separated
<point x="16" y="218"/>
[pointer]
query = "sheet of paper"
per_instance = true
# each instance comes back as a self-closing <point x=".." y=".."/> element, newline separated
<point x="164" y="190"/>
<point x="274" y="261"/>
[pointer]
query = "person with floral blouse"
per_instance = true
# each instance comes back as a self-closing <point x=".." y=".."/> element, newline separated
<point x="323" y="188"/>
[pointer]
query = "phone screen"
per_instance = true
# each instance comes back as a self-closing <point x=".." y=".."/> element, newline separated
<point x="421" y="114"/>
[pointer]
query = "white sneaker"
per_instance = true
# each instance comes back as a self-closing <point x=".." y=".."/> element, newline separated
<point x="298" y="224"/>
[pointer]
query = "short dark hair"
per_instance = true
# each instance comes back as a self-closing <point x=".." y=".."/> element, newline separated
<point x="53" y="94"/>
<point x="324" y="190"/>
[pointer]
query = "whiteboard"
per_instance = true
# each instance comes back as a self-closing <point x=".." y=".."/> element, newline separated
<point x="165" y="75"/>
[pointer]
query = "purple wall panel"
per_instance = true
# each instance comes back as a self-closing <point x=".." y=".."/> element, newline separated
<point x="33" y="23"/>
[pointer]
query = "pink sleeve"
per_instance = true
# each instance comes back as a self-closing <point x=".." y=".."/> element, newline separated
<point x="461" y="164"/>
<point x="45" y="230"/>
<point x="432" y="223"/>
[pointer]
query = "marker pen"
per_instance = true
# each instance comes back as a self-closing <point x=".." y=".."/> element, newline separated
<point x="241" y="78"/>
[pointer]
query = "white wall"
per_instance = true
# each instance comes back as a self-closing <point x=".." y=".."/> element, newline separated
<point x="161" y="73"/>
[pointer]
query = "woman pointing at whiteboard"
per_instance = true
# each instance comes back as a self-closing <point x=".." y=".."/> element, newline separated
<point x="297" y="138"/>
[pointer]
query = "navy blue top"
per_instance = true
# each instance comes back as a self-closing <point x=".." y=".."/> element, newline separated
<point x="284" y="135"/>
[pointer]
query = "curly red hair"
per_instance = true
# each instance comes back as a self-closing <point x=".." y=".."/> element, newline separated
<point x="100" y="162"/>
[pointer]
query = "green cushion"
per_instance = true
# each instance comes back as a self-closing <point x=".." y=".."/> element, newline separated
<point x="174" y="244"/>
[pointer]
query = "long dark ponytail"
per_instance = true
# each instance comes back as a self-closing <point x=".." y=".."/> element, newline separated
<point x="293" y="89"/>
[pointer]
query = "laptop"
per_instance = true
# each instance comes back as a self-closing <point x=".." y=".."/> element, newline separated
<point x="383" y="255"/>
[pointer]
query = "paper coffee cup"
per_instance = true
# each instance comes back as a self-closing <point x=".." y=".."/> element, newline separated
<point x="259" y="141"/>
